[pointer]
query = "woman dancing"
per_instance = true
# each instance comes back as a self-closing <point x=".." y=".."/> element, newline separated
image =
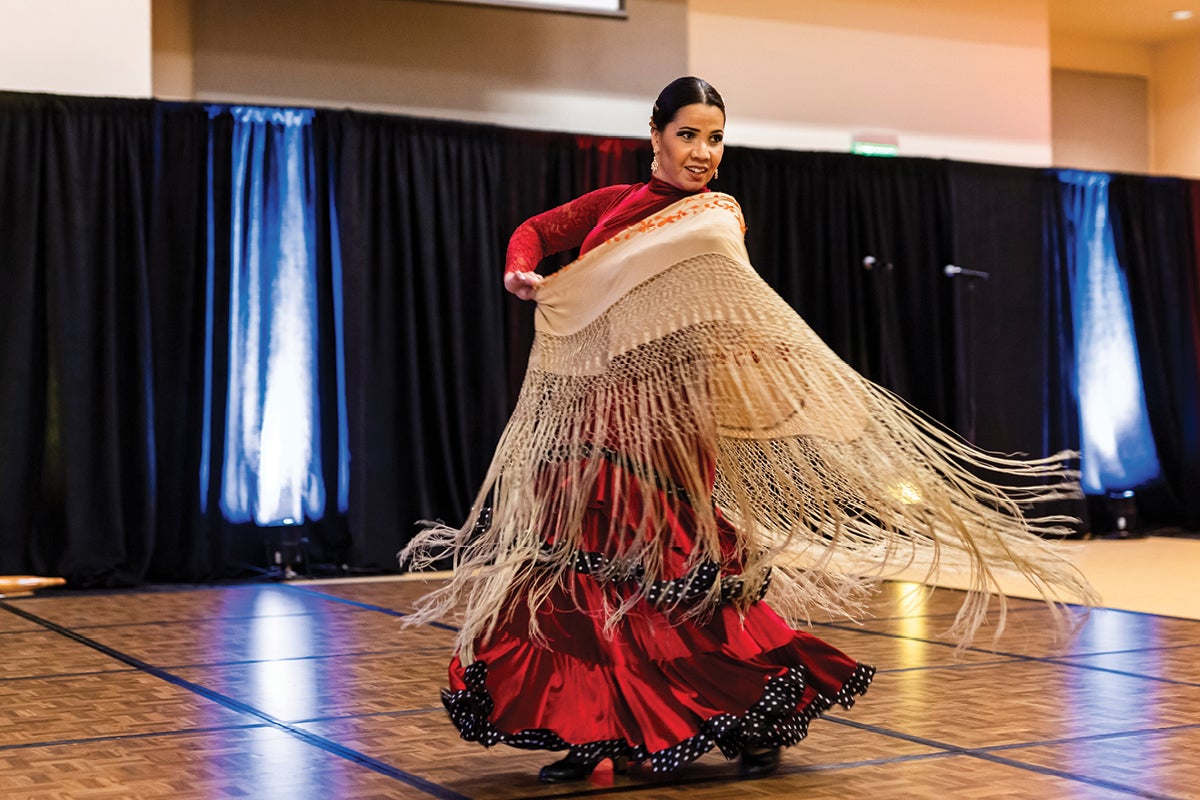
<point x="683" y="447"/>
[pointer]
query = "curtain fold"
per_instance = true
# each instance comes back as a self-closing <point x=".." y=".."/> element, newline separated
<point x="1194" y="271"/>
<point x="422" y="254"/>
<point x="78" y="260"/>
<point x="272" y="473"/>
<point x="189" y="546"/>
<point x="1061" y="423"/>
<point x="1012" y="359"/>
<point x="1118" y="450"/>
<point x="1154" y="244"/>
<point x="273" y="417"/>
<point x="541" y="171"/>
<point x="24" y="130"/>
<point x="1013" y="329"/>
<point x="857" y="246"/>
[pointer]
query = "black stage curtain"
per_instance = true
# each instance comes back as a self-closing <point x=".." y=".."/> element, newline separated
<point x="77" y="472"/>
<point x="23" y="334"/>
<point x="541" y="171"/>
<point x="1152" y="229"/>
<point x="103" y="286"/>
<point x="1013" y="330"/>
<point x="189" y="545"/>
<point x="1061" y="423"/>
<point x="102" y="313"/>
<point x="436" y="349"/>
<point x="1013" y="364"/>
<point x="193" y="155"/>
<point x="857" y="245"/>
<point x="422" y="254"/>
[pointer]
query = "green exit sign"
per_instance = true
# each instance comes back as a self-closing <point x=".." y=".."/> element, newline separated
<point x="875" y="144"/>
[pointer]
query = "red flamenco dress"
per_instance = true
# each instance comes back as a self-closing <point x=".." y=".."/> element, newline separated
<point x="660" y="686"/>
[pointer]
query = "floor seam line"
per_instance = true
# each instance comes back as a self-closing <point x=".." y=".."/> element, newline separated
<point x="1057" y="661"/>
<point x="329" y="746"/>
<point x="986" y="754"/>
<point x="1100" y="782"/>
<point x="128" y="736"/>
<point x="391" y="612"/>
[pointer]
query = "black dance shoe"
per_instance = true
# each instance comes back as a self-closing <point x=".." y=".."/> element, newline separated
<point x="758" y="761"/>
<point x="575" y="768"/>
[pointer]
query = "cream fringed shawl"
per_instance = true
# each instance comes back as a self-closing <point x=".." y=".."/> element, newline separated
<point x="663" y="350"/>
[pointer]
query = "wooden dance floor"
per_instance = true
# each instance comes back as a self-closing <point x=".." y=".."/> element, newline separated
<point x="307" y="690"/>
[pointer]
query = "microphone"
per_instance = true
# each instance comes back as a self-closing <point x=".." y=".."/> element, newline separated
<point x="951" y="270"/>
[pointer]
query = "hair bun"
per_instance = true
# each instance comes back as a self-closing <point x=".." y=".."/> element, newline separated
<point x="682" y="92"/>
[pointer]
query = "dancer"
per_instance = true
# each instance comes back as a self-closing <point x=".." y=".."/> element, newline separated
<point x="683" y="447"/>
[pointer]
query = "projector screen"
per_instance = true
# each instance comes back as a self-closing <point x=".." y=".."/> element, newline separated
<point x="608" y="8"/>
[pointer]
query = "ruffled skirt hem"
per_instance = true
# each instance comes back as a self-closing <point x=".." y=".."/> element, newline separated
<point x="779" y="718"/>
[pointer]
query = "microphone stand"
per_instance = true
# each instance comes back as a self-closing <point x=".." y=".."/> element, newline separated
<point x="966" y="353"/>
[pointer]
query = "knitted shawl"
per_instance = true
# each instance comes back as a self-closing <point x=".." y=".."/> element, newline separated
<point x="664" y="351"/>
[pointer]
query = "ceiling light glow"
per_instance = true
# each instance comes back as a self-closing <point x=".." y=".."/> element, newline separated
<point x="1181" y="15"/>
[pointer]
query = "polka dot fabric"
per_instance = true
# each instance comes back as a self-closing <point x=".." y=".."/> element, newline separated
<point x="779" y="718"/>
<point x="684" y="590"/>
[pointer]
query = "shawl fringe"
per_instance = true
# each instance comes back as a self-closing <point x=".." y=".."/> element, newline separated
<point x="663" y="356"/>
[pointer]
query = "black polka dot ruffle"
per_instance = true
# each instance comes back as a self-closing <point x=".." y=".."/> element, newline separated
<point x="773" y="721"/>
<point x="690" y="588"/>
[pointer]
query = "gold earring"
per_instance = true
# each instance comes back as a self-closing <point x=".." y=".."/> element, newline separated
<point x="715" y="172"/>
<point x="654" y="164"/>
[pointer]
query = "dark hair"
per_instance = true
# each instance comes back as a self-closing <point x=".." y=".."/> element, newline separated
<point x="683" y="92"/>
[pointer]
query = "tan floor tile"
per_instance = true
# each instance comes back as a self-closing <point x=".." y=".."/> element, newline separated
<point x="312" y="688"/>
<point x="886" y="652"/>
<point x="88" y="609"/>
<point x="364" y="682"/>
<point x="398" y="595"/>
<point x="43" y="653"/>
<point x="10" y="622"/>
<point x="346" y="630"/>
<point x="253" y="764"/>
<point x="1164" y="763"/>
<point x="948" y="778"/>
<point x="988" y="705"/>
<point x="102" y="704"/>
<point x="1170" y="663"/>
<point x="1033" y="632"/>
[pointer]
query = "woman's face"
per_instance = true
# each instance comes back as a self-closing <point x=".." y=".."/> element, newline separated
<point x="689" y="149"/>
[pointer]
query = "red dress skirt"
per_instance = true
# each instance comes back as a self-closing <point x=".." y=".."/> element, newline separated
<point x="657" y="687"/>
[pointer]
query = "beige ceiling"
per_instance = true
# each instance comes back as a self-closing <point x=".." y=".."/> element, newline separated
<point x="1123" y="20"/>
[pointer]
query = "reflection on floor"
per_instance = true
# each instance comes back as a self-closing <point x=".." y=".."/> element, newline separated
<point x="305" y="690"/>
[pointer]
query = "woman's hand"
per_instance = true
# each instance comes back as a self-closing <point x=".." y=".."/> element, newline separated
<point x="523" y="284"/>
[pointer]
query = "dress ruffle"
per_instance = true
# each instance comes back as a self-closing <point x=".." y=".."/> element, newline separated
<point x="656" y="688"/>
<point x="779" y="718"/>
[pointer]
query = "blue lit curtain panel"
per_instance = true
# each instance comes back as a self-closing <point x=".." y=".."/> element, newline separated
<point x="271" y="472"/>
<point x="1118" y="449"/>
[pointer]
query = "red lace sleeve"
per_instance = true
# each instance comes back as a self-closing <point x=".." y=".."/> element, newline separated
<point x="558" y="229"/>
